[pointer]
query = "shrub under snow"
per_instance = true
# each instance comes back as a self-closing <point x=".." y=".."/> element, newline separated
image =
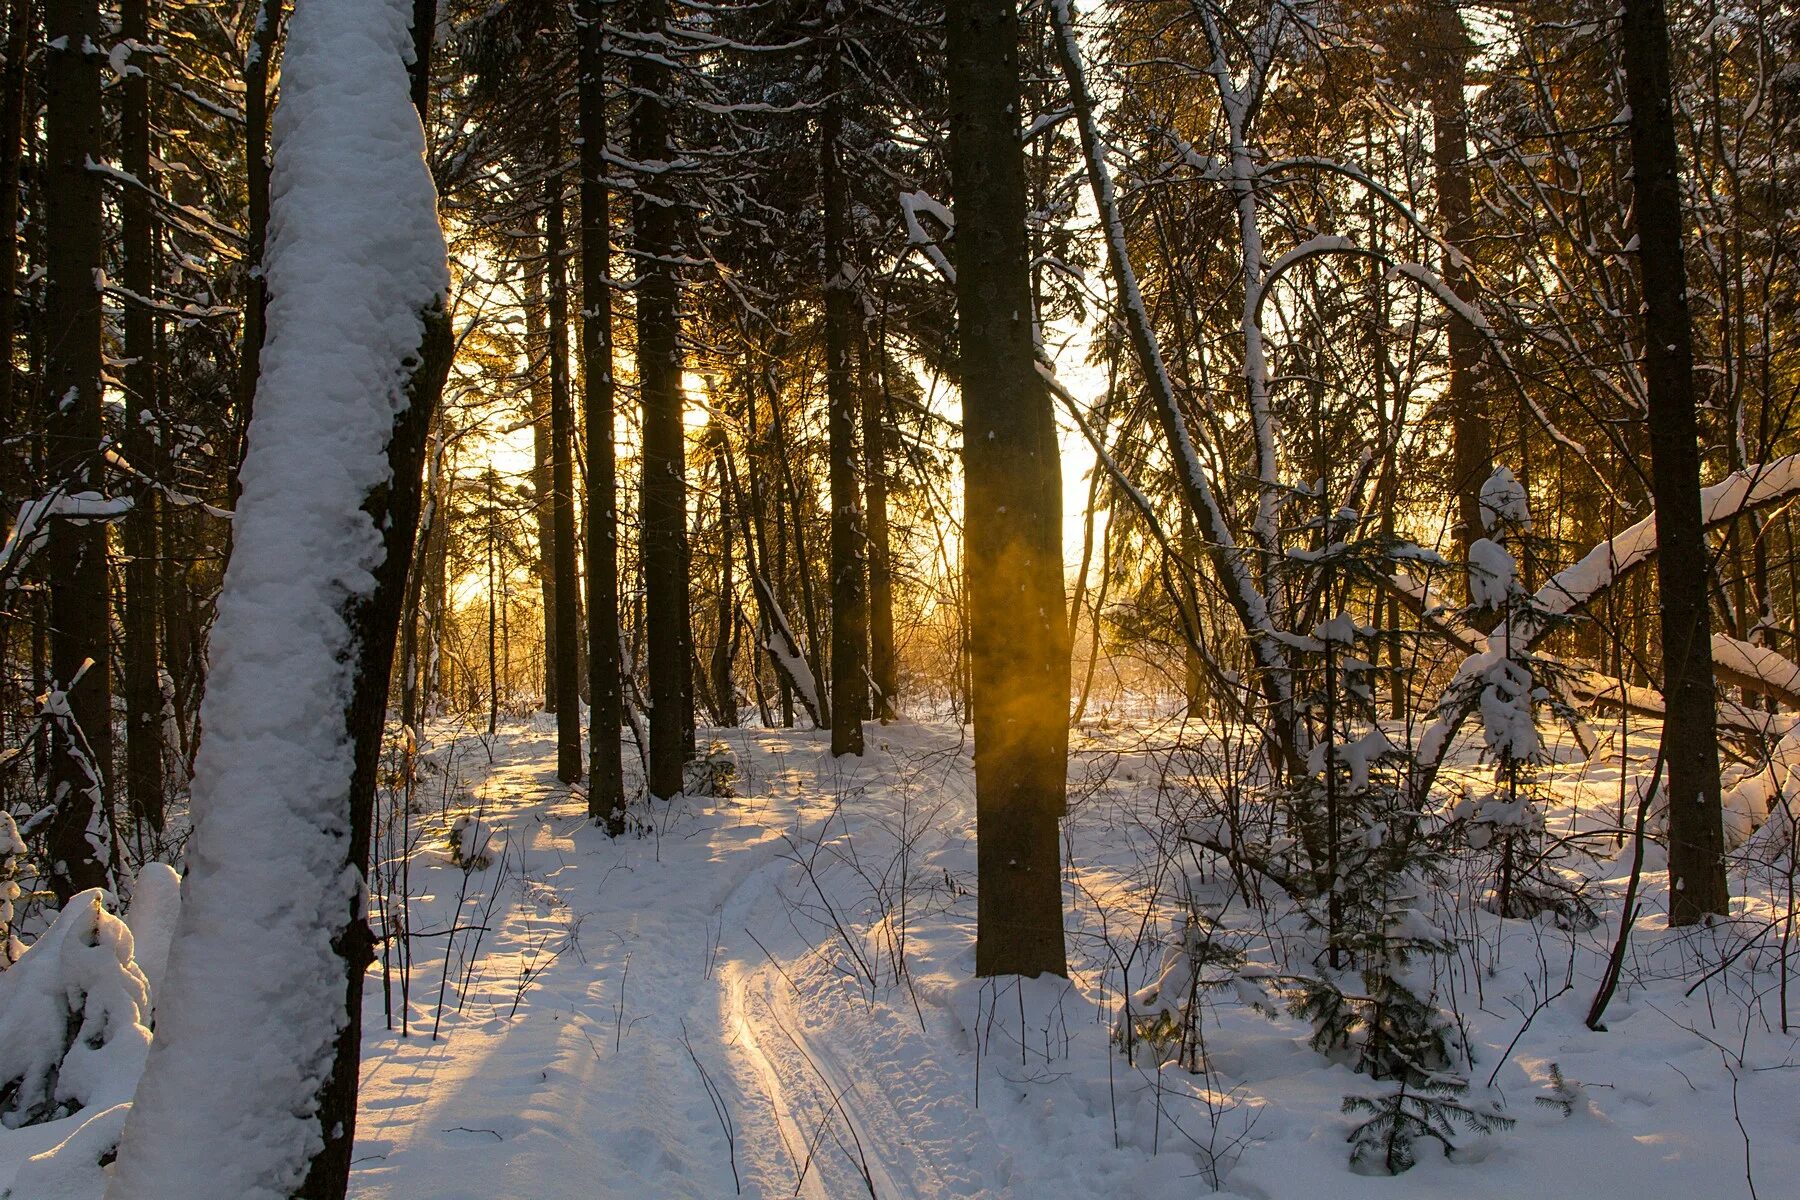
<point x="73" y="1013"/>
<point x="12" y="846"/>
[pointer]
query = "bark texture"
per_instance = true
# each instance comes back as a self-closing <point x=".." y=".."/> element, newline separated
<point x="606" y="780"/>
<point x="664" y="552"/>
<point x="80" y="767"/>
<point x="1697" y="884"/>
<point x="849" y="592"/>
<point x="1013" y="514"/>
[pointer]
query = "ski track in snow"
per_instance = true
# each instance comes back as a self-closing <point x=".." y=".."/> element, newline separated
<point x="620" y="987"/>
<point x="563" y="1066"/>
<point x="580" y="1093"/>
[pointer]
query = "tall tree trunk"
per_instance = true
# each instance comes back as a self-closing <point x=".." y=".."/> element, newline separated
<point x="81" y="740"/>
<point x="296" y="1099"/>
<point x="1471" y="456"/>
<point x="884" y="675"/>
<point x="606" y="768"/>
<point x="849" y="596"/>
<point x="143" y="688"/>
<point x="543" y="487"/>
<point x="566" y="670"/>
<point x="774" y="568"/>
<point x="724" y="616"/>
<point x="492" y="548"/>
<point x="1013" y="512"/>
<point x="1193" y="670"/>
<point x="374" y="621"/>
<point x="12" y="157"/>
<point x="664" y="506"/>
<point x="263" y="39"/>
<point x="1697" y="885"/>
<point x="415" y="620"/>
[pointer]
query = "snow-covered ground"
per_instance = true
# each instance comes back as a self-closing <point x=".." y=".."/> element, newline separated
<point x="771" y="994"/>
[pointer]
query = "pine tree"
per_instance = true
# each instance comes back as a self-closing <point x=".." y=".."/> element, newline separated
<point x="1697" y="886"/>
<point x="664" y="539"/>
<point x="849" y="578"/>
<point x="606" y="781"/>
<point x="142" y="535"/>
<point x="80" y="774"/>
<point x="565" y="667"/>
<point x="1013" y="512"/>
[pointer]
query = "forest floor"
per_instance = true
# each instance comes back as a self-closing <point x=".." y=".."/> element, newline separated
<point x="772" y="995"/>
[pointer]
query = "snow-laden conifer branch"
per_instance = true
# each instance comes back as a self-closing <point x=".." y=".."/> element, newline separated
<point x="1578" y="585"/>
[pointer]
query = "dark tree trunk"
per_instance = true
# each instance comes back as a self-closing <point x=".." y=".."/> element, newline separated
<point x="80" y="768"/>
<point x="849" y="596"/>
<point x="1471" y="455"/>
<point x="606" y="768"/>
<point x="424" y="34"/>
<point x="1013" y="512"/>
<point x="884" y="676"/>
<point x="664" y="506"/>
<point x="1193" y="670"/>
<point x="566" y="669"/>
<point x="143" y="688"/>
<point x="1697" y="884"/>
<point x="724" y="693"/>
<point x="12" y="147"/>
<point x="491" y="550"/>
<point x="767" y="571"/>
<point x="537" y="353"/>
<point x="422" y="585"/>
<point x="263" y="39"/>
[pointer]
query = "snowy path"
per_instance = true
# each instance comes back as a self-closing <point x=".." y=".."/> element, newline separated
<point x="620" y="983"/>
<point x="717" y="1008"/>
<point x="711" y="1010"/>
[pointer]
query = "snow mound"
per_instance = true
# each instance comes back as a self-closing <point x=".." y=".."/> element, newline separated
<point x="73" y="1014"/>
<point x="155" y="905"/>
<point x="1493" y="577"/>
<point x="76" y="1167"/>
<point x="476" y="843"/>
<point x="1503" y="502"/>
<point x="11" y="847"/>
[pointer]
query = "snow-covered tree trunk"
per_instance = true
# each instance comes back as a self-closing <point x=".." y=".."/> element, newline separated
<point x="1239" y="103"/>
<point x="250" y="1089"/>
<point x="1232" y="567"/>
